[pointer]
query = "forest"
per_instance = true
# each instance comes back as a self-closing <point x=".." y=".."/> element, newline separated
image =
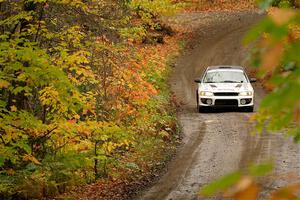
<point x="83" y="93"/>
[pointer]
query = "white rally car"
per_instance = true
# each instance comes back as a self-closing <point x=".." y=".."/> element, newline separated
<point x="223" y="86"/>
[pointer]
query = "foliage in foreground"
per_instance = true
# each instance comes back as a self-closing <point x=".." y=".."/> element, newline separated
<point x="240" y="184"/>
<point x="244" y="185"/>
<point x="76" y="93"/>
<point x="278" y="60"/>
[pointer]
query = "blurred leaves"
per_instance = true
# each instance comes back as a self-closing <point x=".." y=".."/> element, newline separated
<point x="290" y="192"/>
<point x="245" y="188"/>
<point x="277" y="58"/>
<point x="282" y="16"/>
<point x="260" y="170"/>
<point x="221" y="184"/>
<point x="239" y="185"/>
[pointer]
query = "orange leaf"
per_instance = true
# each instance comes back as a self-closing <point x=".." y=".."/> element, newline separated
<point x="282" y="16"/>
<point x="297" y="115"/>
<point x="31" y="158"/>
<point x="246" y="188"/>
<point x="272" y="57"/>
<point x="250" y="193"/>
<point x="286" y="193"/>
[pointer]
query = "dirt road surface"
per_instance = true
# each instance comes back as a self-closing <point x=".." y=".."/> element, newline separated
<point x="220" y="142"/>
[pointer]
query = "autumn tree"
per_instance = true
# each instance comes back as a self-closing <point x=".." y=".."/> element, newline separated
<point x="75" y="89"/>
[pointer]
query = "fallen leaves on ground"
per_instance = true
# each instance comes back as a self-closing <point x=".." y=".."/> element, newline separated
<point x="220" y="5"/>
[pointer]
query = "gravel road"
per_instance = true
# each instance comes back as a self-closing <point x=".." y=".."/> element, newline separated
<point x="219" y="142"/>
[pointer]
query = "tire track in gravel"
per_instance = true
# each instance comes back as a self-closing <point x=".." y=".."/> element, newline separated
<point x="216" y="143"/>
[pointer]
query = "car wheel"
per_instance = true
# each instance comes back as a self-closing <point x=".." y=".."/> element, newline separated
<point x="202" y="109"/>
<point x="249" y="109"/>
<point x="197" y="98"/>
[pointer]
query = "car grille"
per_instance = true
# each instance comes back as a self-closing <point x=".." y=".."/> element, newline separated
<point x="226" y="102"/>
<point x="226" y="94"/>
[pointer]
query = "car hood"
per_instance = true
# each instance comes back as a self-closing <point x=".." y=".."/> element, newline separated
<point x="225" y="87"/>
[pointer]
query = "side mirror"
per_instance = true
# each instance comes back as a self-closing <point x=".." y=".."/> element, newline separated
<point x="197" y="81"/>
<point x="253" y="80"/>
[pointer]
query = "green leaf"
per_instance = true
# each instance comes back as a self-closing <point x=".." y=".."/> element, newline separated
<point x="31" y="167"/>
<point x="261" y="169"/>
<point x="221" y="184"/>
<point x="257" y="30"/>
<point x="132" y="166"/>
<point x="296" y="133"/>
<point x="2" y="159"/>
<point x="23" y="145"/>
<point x="264" y="4"/>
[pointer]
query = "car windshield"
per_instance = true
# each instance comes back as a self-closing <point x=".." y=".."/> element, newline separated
<point x="222" y="76"/>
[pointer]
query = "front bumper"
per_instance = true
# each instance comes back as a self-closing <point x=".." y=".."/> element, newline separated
<point x="226" y="101"/>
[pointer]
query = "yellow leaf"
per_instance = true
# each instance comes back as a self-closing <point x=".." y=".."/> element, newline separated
<point x="109" y="147"/>
<point x="13" y="108"/>
<point x="4" y="84"/>
<point x="76" y="116"/>
<point x="126" y="142"/>
<point x="10" y="172"/>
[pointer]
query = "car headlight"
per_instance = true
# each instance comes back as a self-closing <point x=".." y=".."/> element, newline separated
<point x="246" y="93"/>
<point x="202" y="93"/>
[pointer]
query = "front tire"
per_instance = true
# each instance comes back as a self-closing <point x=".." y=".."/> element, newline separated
<point x="202" y="109"/>
<point x="249" y="109"/>
<point x="197" y="98"/>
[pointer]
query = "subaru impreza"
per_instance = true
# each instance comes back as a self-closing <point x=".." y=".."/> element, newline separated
<point x="225" y="86"/>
